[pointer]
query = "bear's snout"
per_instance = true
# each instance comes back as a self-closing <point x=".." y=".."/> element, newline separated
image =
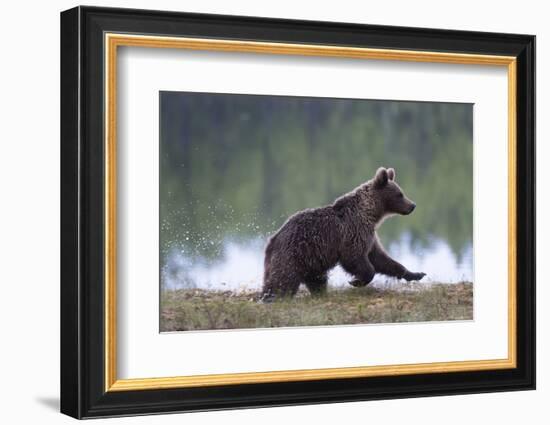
<point x="411" y="209"/>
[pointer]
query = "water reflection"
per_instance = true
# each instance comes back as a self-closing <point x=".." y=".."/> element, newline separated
<point x="239" y="267"/>
<point x="234" y="167"/>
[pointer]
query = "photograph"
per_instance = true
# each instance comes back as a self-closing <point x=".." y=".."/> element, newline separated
<point x="286" y="210"/>
<point x="283" y="211"/>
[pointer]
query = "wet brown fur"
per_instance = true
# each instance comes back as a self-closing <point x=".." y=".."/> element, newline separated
<point x="313" y="241"/>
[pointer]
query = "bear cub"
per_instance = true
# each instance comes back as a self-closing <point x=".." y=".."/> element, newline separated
<point x="313" y="241"/>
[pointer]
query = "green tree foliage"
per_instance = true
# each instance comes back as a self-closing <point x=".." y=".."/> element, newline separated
<point x="236" y="166"/>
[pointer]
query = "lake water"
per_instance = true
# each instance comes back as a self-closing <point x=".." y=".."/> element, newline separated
<point x="239" y="267"/>
<point x="233" y="168"/>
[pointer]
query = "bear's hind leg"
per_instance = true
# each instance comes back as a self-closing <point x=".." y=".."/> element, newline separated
<point x="279" y="285"/>
<point x="317" y="285"/>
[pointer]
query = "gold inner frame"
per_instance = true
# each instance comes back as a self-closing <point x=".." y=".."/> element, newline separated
<point x="113" y="41"/>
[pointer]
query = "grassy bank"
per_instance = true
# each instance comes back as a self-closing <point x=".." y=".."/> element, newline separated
<point x="183" y="310"/>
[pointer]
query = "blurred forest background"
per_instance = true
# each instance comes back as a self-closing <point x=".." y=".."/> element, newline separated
<point x="234" y="167"/>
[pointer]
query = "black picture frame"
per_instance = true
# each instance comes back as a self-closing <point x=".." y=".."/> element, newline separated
<point x="83" y="392"/>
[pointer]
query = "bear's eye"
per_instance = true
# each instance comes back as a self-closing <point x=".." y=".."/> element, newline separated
<point x="401" y="195"/>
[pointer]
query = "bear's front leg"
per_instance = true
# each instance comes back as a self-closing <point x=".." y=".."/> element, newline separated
<point x="384" y="264"/>
<point x="317" y="285"/>
<point x="361" y="268"/>
<point x="408" y="276"/>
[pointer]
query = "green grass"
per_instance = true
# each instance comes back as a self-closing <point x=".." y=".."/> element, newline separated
<point x="189" y="310"/>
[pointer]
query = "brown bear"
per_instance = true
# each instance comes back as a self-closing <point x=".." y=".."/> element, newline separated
<point x="313" y="241"/>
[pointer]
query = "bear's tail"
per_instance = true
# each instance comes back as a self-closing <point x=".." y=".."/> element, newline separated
<point x="267" y="258"/>
<point x="267" y="290"/>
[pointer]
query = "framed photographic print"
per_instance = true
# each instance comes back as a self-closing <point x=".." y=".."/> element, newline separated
<point x="261" y="212"/>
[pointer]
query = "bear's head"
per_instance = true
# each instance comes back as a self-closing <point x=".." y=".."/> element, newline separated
<point x="389" y="195"/>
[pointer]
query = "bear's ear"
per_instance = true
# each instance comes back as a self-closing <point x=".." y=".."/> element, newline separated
<point x="381" y="177"/>
<point x="391" y="174"/>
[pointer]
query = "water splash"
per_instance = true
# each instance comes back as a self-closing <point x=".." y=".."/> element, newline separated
<point x="239" y="267"/>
